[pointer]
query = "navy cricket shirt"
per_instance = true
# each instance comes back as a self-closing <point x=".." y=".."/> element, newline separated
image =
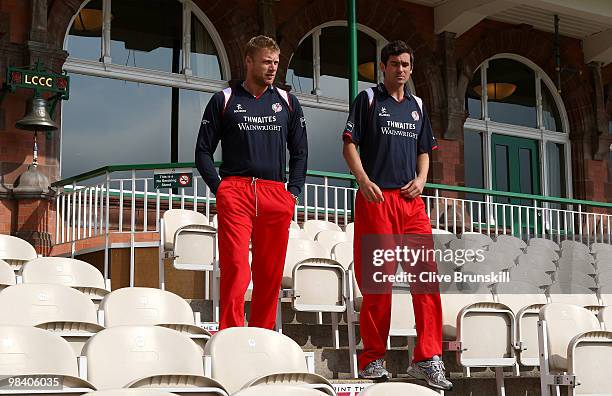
<point x="390" y="135"/>
<point x="255" y="133"/>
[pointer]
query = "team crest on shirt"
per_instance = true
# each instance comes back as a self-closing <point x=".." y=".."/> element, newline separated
<point x="383" y="112"/>
<point x="239" y="109"/>
<point x="415" y="115"/>
<point x="277" y="107"/>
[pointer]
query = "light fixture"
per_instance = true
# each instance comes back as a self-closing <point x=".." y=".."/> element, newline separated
<point x="89" y="20"/>
<point x="496" y="90"/>
<point x="366" y="70"/>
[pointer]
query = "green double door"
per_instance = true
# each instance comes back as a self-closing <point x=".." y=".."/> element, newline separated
<point x="516" y="168"/>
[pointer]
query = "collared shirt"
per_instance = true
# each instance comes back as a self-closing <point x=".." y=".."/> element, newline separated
<point x="390" y="135"/>
<point x="255" y="133"/>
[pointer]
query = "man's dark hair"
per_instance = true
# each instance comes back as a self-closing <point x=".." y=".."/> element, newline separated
<point x="395" y="48"/>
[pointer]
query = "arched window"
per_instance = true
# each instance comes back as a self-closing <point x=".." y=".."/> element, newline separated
<point x="517" y="134"/>
<point x="140" y="80"/>
<point x="319" y="66"/>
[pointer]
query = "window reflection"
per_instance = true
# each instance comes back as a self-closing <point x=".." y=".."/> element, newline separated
<point x="204" y="55"/>
<point x="145" y="36"/>
<point x="473" y="102"/>
<point x="511" y="93"/>
<point x="300" y="72"/>
<point x="85" y="36"/>
<point x="556" y="170"/>
<point x="325" y="145"/>
<point x="191" y="108"/>
<point x="109" y="121"/>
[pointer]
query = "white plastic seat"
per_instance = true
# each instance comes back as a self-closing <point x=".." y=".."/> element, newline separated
<point x="214" y="221"/>
<point x="463" y="318"/>
<point x="568" y="293"/>
<point x="297" y="233"/>
<point x="7" y="275"/>
<point x="242" y="357"/>
<point x="313" y="227"/>
<point x="16" y="251"/>
<point x="574" y="246"/>
<point x="605" y="317"/>
<point x="599" y="247"/>
<point x="66" y="271"/>
<point x="56" y="308"/>
<point x="476" y="238"/>
<point x="603" y="261"/>
<point x="576" y="278"/>
<point x="581" y="264"/>
<point x="278" y="390"/>
<point x="574" y="351"/>
<point x="604" y="278"/>
<point x="147" y="357"/>
<point x="191" y="244"/>
<point x="30" y="351"/>
<point x="525" y="300"/>
<point x="442" y="238"/>
<point x="328" y="239"/>
<point x="397" y="389"/>
<point x="294" y="225"/>
<point x="343" y="253"/>
<point x="511" y="240"/>
<point x="141" y="306"/>
<point x="350" y="231"/>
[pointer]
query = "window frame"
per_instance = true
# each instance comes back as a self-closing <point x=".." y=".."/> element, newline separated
<point x="486" y="127"/>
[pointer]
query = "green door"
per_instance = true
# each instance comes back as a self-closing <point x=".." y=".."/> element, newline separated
<point x="516" y="168"/>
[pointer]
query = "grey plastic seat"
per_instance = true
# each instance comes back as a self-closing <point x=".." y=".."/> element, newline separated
<point x="543" y="242"/>
<point x="313" y="227"/>
<point x="397" y="389"/>
<point x="511" y="240"/>
<point x="542" y="250"/>
<point x="29" y="351"/>
<point x="140" y="306"/>
<point x="147" y="357"/>
<point x="242" y="357"/>
<point x="16" y="251"/>
<point x="66" y="271"/>
<point x="52" y="307"/>
<point x="574" y="351"/>
<point x="569" y="293"/>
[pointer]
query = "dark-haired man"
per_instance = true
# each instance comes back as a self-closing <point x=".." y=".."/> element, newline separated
<point x="393" y="132"/>
<point x="256" y="124"/>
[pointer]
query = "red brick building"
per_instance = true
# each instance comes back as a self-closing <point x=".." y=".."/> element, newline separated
<point x="142" y="71"/>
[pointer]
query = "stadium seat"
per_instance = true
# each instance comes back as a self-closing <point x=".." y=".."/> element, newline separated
<point x="30" y="351"/>
<point x="604" y="278"/>
<point x="576" y="263"/>
<point x="509" y="252"/>
<point x="543" y="251"/>
<point x="531" y="275"/>
<point x="278" y="390"/>
<point x="297" y="233"/>
<point x="575" y="246"/>
<point x="476" y="238"/>
<point x="140" y="306"/>
<point x="350" y="231"/>
<point x="525" y="300"/>
<point x="574" y="351"/>
<point x="293" y="225"/>
<point x="242" y="357"/>
<point x="191" y="244"/>
<point x="16" y="251"/>
<point x="605" y="317"/>
<point x="465" y="313"/>
<point x="603" y="261"/>
<point x="147" y="357"/>
<point x="599" y="247"/>
<point x="215" y="221"/>
<point x="576" y="278"/>
<point x="313" y="227"/>
<point x="442" y="237"/>
<point x="539" y="262"/>
<point x="545" y="243"/>
<point x="397" y="389"/>
<point x="7" y="275"/>
<point x="328" y="239"/>
<point x="343" y="253"/>
<point x="511" y="240"/>
<point x="67" y="271"/>
<point x="402" y="315"/>
<point x="568" y="293"/>
<point x="56" y="308"/>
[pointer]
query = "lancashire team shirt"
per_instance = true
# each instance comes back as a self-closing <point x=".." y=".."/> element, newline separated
<point x="255" y="133"/>
<point x="390" y="135"/>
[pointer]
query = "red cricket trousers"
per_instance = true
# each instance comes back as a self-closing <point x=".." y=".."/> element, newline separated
<point x="258" y="211"/>
<point x="395" y="216"/>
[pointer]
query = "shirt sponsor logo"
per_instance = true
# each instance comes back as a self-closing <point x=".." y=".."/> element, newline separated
<point x="383" y="112"/>
<point x="349" y="126"/>
<point x="239" y="109"/>
<point x="277" y="107"/>
<point x="205" y="122"/>
<point x="404" y="129"/>
<point x="415" y="115"/>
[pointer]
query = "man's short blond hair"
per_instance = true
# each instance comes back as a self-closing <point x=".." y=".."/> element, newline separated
<point x="261" y="42"/>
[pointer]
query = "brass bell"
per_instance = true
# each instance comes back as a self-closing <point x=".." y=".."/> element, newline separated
<point x="37" y="117"/>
